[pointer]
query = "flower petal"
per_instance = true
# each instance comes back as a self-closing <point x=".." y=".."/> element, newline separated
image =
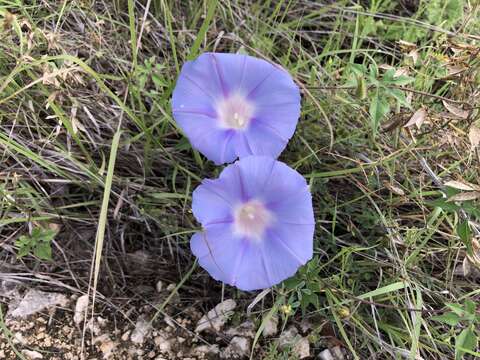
<point x="203" y="131"/>
<point x="294" y="208"/>
<point x="263" y="140"/>
<point x="214" y="200"/>
<point x="218" y="251"/>
<point x="267" y="178"/>
<point x="284" y="244"/>
<point x="206" y="83"/>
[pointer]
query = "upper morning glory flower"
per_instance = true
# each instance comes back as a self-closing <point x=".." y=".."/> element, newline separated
<point x="232" y="105"/>
<point x="258" y="223"/>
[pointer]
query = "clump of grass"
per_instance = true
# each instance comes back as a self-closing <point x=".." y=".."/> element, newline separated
<point x="89" y="146"/>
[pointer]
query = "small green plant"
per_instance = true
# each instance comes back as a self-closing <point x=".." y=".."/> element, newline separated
<point x="381" y="90"/>
<point x="462" y="317"/>
<point x="458" y="202"/>
<point x="151" y="71"/>
<point x="38" y="243"/>
<point x="306" y="287"/>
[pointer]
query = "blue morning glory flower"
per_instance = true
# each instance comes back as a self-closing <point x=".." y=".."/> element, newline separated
<point x="258" y="223"/>
<point x="231" y="106"/>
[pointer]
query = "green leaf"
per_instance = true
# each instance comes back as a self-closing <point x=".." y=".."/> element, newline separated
<point x="402" y="80"/>
<point x="23" y="251"/>
<point x="309" y="299"/>
<point x="373" y="72"/>
<point x="470" y="308"/>
<point x="465" y="234"/>
<point x="399" y="95"/>
<point x="48" y="235"/>
<point x="457" y="309"/>
<point x="444" y="205"/>
<point x="388" y="77"/>
<point x="43" y="250"/>
<point x="383" y="290"/>
<point x="378" y="108"/>
<point x="449" y="318"/>
<point x="465" y="340"/>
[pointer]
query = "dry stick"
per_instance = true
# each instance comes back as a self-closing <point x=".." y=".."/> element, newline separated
<point x="145" y="14"/>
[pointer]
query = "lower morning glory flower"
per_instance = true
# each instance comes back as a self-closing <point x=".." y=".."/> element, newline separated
<point x="258" y="223"/>
<point x="232" y="105"/>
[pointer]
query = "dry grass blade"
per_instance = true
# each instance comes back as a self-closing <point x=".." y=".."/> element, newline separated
<point x="462" y="185"/>
<point x="466" y="196"/>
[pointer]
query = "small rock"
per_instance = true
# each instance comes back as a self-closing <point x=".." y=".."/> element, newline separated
<point x="271" y="326"/>
<point x="102" y="322"/>
<point x="338" y="353"/>
<point x="32" y="355"/>
<point x="302" y="348"/>
<point x="19" y="339"/>
<point x="106" y="345"/>
<point x="245" y="329"/>
<point x="171" y="287"/>
<point x="80" y="307"/>
<point x="142" y="329"/>
<point x="169" y="321"/>
<point x="159" y="286"/>
<point x="305" y="325"/>
<point x="126" y="335"/>
<point x="239" y="347"/>
<point x="35" y="301"/>
<point x="9" y="289"/>
<point x="334" y="353"/>
<point x="288" y="338"/>
<point x="217" y="317"/>
<point x="93" y="327"/>
<point x="203" y="350"/>
<point x="47" y="342"/>
<point x="326" y="355"/>
<point x="108" y="348"/>
<point x="100" y="339"/>
<point x="164" y="345"/>
<point x="291" y="339"/>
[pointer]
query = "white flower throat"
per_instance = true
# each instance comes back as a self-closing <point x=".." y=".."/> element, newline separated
<point x="235" y="112"/>
<point x="251" y="219"/>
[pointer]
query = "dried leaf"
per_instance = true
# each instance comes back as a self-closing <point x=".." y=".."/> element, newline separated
<point x="385" y="67"/>
<point x="465" y="196"/>
<point x="461" y="185"/>
<point x="405" y="45"/>
<point x="458" y="112"/>
<point x="474" y="136"/>
<point x="402" y="71"/>
<point x="417" y="118"/>
<point x="455" y="69"/>
<point x="394" y="189"/>
<point x="414" y="55"/>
